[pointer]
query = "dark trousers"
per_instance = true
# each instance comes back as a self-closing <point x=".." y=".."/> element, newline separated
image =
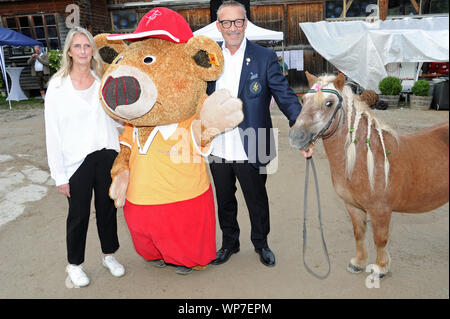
<point x="92" y="176"/>
<point x="253" y="185"/>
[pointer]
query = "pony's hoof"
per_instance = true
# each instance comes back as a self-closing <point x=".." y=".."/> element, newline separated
<point x="354" y="269"/>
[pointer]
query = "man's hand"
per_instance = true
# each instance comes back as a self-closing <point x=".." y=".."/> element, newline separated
<point x="64" y="189"/>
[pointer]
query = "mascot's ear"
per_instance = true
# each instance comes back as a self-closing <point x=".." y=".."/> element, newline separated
<point x="206" y="56"/>
<point x="108" y="49"/>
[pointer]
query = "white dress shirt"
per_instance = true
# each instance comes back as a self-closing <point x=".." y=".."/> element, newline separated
<point x="38" y="66"/>
<point x="75" y="125"/>
<point x="228" y="145"/>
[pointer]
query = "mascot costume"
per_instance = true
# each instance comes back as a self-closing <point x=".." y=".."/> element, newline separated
<point x="156" y="86"/>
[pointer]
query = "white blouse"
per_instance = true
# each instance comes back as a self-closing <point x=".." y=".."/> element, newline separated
<point x="229" y="145"/>
<point x="75" y="126"/>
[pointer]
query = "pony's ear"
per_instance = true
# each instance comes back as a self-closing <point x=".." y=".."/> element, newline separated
<point x="311" y="78"/>
<point x="339" y="82"/>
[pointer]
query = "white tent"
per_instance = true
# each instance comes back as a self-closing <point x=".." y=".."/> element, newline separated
<point x="253" y="33"/>
<point x="362" y="50"/>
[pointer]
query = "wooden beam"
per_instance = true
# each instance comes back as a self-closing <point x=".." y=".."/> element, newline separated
<point x="416" y="7"/>
<point x="383" y="9"/>
<point x="345" y="6"/>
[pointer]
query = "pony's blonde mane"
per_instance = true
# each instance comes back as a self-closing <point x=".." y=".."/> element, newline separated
<point x="354" y="105"/>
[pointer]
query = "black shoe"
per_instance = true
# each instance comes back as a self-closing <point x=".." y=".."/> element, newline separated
<point x="223" y="255"/>
<point x="266" y="256"/>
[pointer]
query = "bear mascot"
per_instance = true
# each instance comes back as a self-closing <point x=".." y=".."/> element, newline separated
<point x="156" y="86"/>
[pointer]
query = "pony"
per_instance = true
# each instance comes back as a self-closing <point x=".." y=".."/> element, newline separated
<point x="374" y="169"/>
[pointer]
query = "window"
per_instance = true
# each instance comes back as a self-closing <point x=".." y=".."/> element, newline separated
<point x="434" y="6"/>
<point x="363" y="8"/>
<point x="124" y="20"/>
<point x="334" y="8"/>
<point x="41" y="27"/>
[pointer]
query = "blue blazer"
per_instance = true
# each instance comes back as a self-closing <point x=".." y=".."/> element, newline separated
<point x="260" y="80"/>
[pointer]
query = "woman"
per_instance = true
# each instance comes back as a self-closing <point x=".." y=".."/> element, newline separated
<point x="82" y="143"/>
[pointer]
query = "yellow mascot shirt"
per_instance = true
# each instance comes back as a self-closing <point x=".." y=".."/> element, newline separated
<point x="168" y="168"/>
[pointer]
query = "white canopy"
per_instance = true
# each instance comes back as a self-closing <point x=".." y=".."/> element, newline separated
<point x="361" y="50"/>
<point x="253" y="33"/>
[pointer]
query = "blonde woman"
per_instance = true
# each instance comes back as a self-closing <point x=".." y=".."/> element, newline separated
<point x="82" y="143"/>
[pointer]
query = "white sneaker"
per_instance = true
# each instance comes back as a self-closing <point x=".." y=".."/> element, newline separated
<point x="113" y="265"/>
<point x="77" y="275"/>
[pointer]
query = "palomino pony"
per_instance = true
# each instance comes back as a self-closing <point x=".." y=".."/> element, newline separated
<point x="374" y="169"/>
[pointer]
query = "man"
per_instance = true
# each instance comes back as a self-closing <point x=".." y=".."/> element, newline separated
<point x="283" y="66"/>
<point x="215" y="4"/>
<point x="251" y="73"/>
<point x="40" y="68"/>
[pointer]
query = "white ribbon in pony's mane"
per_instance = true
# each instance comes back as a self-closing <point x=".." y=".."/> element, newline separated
<point x="361" y="109"/>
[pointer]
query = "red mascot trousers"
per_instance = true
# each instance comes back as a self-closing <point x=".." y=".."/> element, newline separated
<point x="180" y="233"/>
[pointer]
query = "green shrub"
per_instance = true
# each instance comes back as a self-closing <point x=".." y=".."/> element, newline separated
<point x="421" y="88"/>
<point x="390" y="85"/>
<point x="54" y="60"/>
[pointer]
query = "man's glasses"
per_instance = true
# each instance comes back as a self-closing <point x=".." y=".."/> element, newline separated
<point x="226" y="24"/>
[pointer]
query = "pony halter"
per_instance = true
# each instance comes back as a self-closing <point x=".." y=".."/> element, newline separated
<point x="316" y="88"/>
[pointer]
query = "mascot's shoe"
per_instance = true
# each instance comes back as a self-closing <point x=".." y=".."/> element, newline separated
<point x="116" y="269"/>
<point x="223" y="255"/>
<point x="182" y="270"/>
<point x="158" y="263"/>
<point x="266" y="256"/>
<point x="77" y="275"/>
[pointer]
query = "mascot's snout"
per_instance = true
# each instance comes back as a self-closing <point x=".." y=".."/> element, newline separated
<point x="123" y="90"/>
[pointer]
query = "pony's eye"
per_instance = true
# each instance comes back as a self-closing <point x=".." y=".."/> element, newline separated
<point x="119" y="59"/>
<point x="329" y="104"/>
<point x="149" y="59"/>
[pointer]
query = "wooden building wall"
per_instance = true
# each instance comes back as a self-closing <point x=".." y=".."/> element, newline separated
<point x="282" y="15"/>
<point x="93" y="16"/>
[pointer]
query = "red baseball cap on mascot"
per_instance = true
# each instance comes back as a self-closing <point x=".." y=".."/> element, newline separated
<point x="159" y="23"/>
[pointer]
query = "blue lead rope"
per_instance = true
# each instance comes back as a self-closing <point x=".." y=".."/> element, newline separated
<point x="308" y="160"/>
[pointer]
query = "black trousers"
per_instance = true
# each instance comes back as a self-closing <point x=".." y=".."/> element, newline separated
<point x="253" y="185"/>
<point x="92" y="176"/>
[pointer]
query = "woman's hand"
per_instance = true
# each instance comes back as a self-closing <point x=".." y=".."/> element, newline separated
<point x="64" y="189"/>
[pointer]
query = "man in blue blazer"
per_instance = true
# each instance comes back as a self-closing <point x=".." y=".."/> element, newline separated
<point x="251" y="73"/>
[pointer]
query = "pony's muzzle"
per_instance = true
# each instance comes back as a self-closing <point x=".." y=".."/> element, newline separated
<point x="298" y="138"/>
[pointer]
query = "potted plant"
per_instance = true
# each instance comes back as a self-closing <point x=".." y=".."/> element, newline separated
<point x="420" y="99"/>
<point x="390" y="88"/>
<point x="54" y="60"/>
